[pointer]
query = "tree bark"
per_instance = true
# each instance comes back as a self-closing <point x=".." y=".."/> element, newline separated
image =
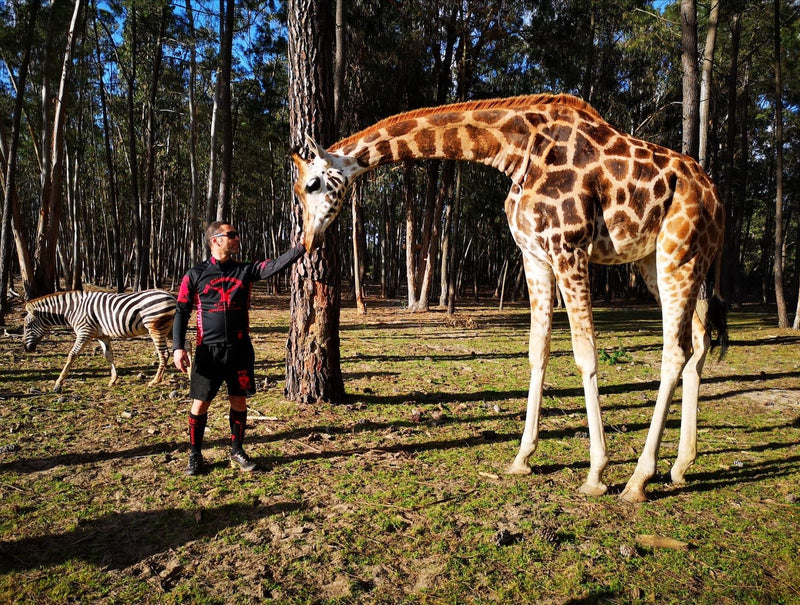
<point x="689" y="142"/>
<point x="144" y="277"/>
<point x="194" y="249"/>
<point x="313" y="370"/>
<point x="10" y="165"/>
<point x="705" y="82"/>
<point x="783" y="316"/>
<point x="226" y="113"/>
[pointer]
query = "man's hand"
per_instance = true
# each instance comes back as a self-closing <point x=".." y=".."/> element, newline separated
<point x="182" y="360"/>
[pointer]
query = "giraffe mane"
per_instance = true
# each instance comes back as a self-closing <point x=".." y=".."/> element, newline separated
<point x="484" y="104"/>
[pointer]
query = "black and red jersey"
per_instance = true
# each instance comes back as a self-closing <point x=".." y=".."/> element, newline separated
<point x="221" y="294"/>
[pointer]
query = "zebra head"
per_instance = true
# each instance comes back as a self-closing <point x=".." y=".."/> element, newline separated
<point x="35" y="329"/>
<point x="322" y="180"/>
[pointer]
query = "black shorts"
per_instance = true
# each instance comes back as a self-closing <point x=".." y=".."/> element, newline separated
<point x="214" y="364"/>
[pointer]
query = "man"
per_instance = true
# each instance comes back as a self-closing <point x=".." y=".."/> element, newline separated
<point x="219" y="288"/>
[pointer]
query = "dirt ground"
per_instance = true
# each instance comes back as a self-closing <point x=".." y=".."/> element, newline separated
<point x="397" y="495"/>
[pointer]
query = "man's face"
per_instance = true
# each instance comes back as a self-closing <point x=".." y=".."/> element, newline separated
<point x="226" y="240"/>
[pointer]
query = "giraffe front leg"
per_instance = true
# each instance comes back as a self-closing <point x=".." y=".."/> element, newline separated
<point x="541" y="289"/>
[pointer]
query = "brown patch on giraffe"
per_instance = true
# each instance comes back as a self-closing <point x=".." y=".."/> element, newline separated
<point x="570" y="212"/>
<point x="638" y="198"/>
<point x="545" y="216"/>
<point x="642" y="153"/>
<point x="483" y="141"/>
<point x="401" y="128"/>
<point x="515" y="125"/>
<point x="558" y="132"/>
<point x="446" y="119"/>
<point x="452" y="145"/>
<point x="557" y="182"/>
<point x="585" y="153"/>
<point x="557" y="156"/>
<point x="620" y="197"/>
<point x="661" y="160"/>
<point x="601" y="134"/>
<point x="617" y="168"/>
<point x="372" y="136"/>
<point x="404" y="152"/>
<point x="348" y="150"/>
<point x="619" y="147"/>
<point x="535" y="119"/>
<point x="426" y="142"/>
<point x="384" y="148"/>
<point x="489" y="116"/>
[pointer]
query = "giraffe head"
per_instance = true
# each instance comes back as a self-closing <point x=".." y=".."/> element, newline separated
<point x="322" y="180"/>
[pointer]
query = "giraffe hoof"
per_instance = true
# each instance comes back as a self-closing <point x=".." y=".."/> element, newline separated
<point x="519" y="469"/>
<point x="593" y="490"/>
<point x="57" y="388"/>
<point x="634" y="496"/>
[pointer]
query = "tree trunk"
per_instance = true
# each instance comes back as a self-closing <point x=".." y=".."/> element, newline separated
<point x="116" y="244"/>
<point x="358" y="246"/>
<point x="783" y="316"/>
<point x="689" y="141"/>
<point x="452" y="282"/>
<point x="10" y="166"/>
<point x="338" y="66"/>
<point x="705" y="82"/>
<point x="144" y="278"/>
<point x="226" y="113"/>
<point x="133" y="162"/>
<point x="52" y="200"/>
<point x="313" y="370"/>
<point x="194" y="249"/>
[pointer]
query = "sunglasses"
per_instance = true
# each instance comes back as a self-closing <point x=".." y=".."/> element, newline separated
<point x="228" y="234"/>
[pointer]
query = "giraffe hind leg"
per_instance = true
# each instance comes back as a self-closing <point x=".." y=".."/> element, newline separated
<point x="678" y="295"/>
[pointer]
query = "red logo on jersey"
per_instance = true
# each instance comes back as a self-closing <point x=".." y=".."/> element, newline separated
<point x="226" y="287"/>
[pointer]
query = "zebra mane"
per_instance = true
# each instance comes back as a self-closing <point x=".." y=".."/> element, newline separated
<point x="37" y="304"/>
<point x="523" y="101"/>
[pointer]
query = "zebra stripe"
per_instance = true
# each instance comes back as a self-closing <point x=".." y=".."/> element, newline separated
<point x="103" y="315"/>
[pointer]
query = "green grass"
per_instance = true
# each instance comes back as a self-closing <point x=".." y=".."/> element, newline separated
<point x="398" y="495"/>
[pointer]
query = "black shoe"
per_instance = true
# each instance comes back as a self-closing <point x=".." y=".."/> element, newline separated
<point x="242" y="461"/>
<point x="195" y="466"/>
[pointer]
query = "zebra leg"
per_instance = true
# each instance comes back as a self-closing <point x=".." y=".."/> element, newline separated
<point x="80" y="343"/>
<point x="160" y="342"/>
<point x="105" y="345"/>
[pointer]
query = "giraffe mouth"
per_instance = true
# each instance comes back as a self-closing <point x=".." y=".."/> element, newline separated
<point x="312" y="240"/>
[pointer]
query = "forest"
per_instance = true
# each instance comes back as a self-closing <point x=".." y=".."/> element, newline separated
<point x="125" y="126"/>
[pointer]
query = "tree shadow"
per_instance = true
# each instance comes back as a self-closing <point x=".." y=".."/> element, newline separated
<point x="119" y="540"/>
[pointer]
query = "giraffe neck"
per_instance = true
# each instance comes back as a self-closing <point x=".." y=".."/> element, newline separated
<point x="498" y="133"/>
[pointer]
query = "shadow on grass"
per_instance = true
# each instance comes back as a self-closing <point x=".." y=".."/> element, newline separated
<point x="119" y="540"/>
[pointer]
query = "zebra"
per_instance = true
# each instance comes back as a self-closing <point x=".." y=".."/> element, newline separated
<point x="103" y="315"/>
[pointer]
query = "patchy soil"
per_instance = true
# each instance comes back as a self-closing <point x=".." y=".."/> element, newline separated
<point x="399" y="494"/>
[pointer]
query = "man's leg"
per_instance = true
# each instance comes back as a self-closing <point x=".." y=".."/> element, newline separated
<point x="198" y="418"/>
<point x="238" y="421"/>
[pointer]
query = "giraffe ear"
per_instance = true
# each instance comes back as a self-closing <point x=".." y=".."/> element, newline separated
<point x="318" y="150"/>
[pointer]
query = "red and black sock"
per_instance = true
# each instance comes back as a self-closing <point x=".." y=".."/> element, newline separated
<point x="197" y="427"/>
<point x="238" y="426"/>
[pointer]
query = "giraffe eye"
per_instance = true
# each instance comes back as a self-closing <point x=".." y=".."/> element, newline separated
<point x="313" y="185"/>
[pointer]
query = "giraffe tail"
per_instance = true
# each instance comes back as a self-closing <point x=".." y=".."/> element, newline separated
<point x="717" y="322"/>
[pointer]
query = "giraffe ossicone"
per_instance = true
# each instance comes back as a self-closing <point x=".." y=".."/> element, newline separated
<point x="581" y="192"/>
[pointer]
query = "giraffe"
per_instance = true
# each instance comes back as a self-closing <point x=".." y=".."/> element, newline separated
<point x="581" y="192"/>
